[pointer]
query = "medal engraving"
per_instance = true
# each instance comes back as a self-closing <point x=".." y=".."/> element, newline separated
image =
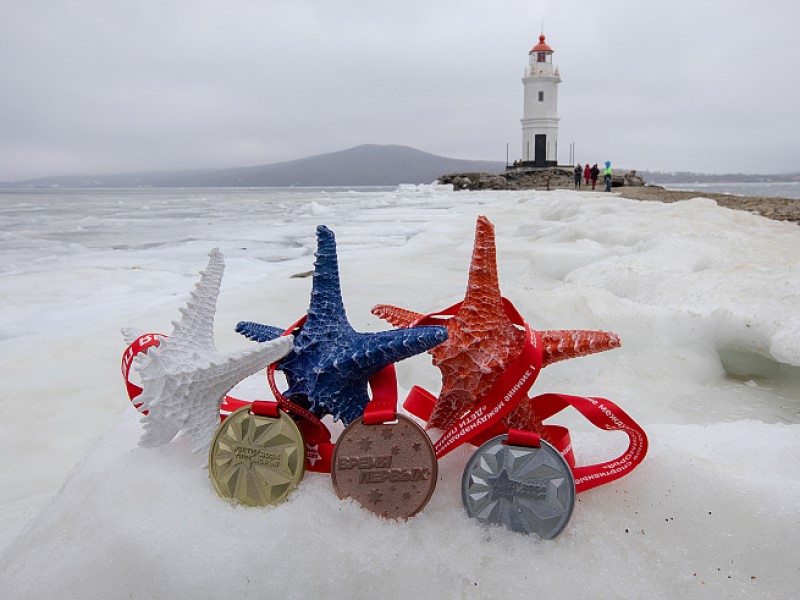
<point x="389" y="468"/>
<point x="526" y="489"/>
<point x="256" y="460"/>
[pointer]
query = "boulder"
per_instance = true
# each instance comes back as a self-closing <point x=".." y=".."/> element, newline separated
<point x="474" y="181"/>
<point x="632" y="179"/>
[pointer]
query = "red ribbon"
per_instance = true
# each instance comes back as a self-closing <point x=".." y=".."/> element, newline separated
<point x="507" y="391"/>
<point x="383" y="406"/>
<point x="604" y="414"/>
<point x="140" y="344"/>
<point x="519" y="437"/>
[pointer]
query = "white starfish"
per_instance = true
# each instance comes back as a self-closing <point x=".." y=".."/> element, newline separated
<point x="185" y="379"/>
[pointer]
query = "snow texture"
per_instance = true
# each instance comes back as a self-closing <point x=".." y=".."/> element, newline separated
<point x="704" y="300"/>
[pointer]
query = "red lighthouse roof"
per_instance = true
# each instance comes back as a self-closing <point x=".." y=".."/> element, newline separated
<point x="541" y="46"/>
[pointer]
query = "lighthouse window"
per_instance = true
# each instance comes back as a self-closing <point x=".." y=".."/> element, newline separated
<point x="541" y="57"/>
<point x="541" y="96"/>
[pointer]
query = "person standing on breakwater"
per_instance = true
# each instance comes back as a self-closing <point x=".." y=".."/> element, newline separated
<point x="578" y="172"/>
<point x="587" y="173"/>
<point x="607" y="175"/>
<point x="595" y="173"/>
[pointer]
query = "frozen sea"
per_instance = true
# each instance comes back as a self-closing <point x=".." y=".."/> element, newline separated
<point x="704" y="300"/>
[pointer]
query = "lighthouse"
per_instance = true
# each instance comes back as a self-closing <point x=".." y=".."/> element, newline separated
<point x="540" y="115"/>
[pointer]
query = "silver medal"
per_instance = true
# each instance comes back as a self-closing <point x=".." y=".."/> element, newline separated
<point x="526" y="489"/>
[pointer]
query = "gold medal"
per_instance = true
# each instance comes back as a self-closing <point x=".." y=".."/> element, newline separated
<point x="389" y="468"/>
<point x="255" y="459"/>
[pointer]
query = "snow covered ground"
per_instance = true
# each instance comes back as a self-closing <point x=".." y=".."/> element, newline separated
<point x="704" y="299"/>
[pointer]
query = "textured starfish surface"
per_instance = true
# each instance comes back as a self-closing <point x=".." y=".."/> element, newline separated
<point x="331" y="363"/>
<point x="185" y="379"/>
<point x="482" y="341"/>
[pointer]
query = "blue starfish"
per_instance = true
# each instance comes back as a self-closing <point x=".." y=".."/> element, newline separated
<point x="331" y="363"/>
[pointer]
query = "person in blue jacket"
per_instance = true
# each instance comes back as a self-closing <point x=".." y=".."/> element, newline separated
<point x="607" y="175"/>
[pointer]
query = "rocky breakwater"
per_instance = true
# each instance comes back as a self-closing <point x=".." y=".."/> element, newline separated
<point x="522" y="178"/>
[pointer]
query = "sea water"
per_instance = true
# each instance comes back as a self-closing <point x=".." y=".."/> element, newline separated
<point x="777" y="189"/>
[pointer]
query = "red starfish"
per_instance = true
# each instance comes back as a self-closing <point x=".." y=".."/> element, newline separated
<point x="482" y="341"/>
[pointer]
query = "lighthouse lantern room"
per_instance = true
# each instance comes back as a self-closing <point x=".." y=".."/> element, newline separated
<point x="539" y="117"/>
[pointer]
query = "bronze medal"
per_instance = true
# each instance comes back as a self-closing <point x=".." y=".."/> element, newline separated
<point x="389" y="468"/>
<point x="256" y="460"/>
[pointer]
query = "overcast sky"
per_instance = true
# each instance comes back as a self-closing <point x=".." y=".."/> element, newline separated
<point x="99" y="86"/>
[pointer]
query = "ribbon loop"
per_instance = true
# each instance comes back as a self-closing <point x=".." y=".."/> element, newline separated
<point x="140" y="344"/>
<point x="518" y="437"/>
<point x="383" y="406"/>
<point x="606" y="415"/>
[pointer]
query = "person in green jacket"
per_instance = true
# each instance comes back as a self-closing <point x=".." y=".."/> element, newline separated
<point x="607" y="175"/>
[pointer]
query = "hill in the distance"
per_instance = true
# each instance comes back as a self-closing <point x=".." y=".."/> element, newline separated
<point x="366" y="165"/>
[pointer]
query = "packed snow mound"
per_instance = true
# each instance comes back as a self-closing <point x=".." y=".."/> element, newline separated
<point x="703" y="299"/>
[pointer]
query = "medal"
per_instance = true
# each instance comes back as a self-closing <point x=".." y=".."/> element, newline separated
<point x="383" y="460"/>
<point x="526" y="488"/>
<point x="389" y="468"/>
<point x="257" y="456"/>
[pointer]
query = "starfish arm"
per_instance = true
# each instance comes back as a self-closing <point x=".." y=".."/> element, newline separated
<point x="378" y="350"/>
<point x="224" y="373"/>
<point x="573" y="343"/>
<point x="151" y="370"/>
<point x="232" y="368"/>
<point x="398" y="317"/>
<point x="157" y="433"/>
<point x="483" y="285"/>
<point x="331" y="402"/>
<point x="202" y="423"/>
<point x="159" y="424"/>
<point x="196" y="326"/>
<point x="326" y="304"/>
<point x="525" y="417"/>
<point x="334" y="377"/>
<point x="258" y="332"/>
<point x="190" y="398"/>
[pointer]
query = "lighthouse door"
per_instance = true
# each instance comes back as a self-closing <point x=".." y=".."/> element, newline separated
<point x="540" y="150"/>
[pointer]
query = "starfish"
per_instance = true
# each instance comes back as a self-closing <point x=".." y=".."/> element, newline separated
<point x="184" y="380"/>
<point x="331" y="364"/>
<point x="482" y="341"/>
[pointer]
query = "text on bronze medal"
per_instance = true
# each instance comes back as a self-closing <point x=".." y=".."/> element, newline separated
<point x="364" y="462"/>
<point x="394" y="475"/>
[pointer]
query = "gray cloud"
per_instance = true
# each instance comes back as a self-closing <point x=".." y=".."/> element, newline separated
<point x="111" y="85"/>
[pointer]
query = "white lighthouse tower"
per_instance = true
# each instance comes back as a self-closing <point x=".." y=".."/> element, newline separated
<point x="539" y="116"/>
